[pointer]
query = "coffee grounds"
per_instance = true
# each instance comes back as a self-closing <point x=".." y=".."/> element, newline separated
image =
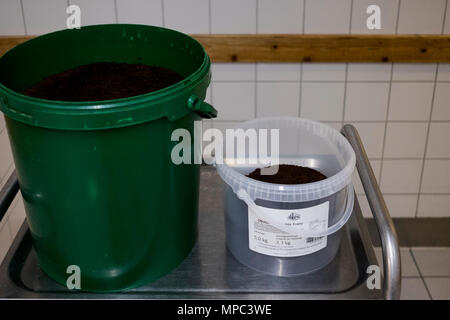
<point x="289" y="174"/>
<point x="103" y="81"/>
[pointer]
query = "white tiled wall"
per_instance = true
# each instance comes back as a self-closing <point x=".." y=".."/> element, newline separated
<point x="418" y="16"/>
<point x="389" y="10"/>
<point x="280" y="16"/>
<point x="325" y="16"/>
<point x="401" y="110"/>
<point x="425" y="272"/>
<point x="140" y="12"/>
<point x="11" y="21"/>
<point x="43" y="16"/>
<point x="231" y="16"/>
<point x="96" y="12"/>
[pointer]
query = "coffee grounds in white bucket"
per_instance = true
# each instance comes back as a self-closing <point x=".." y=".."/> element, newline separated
<point x="288" y="174"/>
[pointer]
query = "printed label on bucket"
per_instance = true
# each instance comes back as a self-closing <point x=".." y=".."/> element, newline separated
<point x="267" y="239"/>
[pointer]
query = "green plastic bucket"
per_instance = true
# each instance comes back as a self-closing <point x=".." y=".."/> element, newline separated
<point x="99" y="187"/>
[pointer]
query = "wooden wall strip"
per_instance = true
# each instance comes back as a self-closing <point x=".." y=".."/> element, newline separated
<point x="9" y="42"/>
<point x="313" y="48"/>
<point x="327" y="48"/>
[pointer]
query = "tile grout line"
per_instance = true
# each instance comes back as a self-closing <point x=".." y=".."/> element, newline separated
<point x="5" y="219"/>
<point x="256" y="16"/>
<point x="8" y="224"/>
<point x="382" y="121"/>
<point x="116" y="12"/>
<point x="7" y="228"/>
<point x="255" y="91"/>
<point x="393" y="121"/>
<point x="300" y="90"/>
<point x="209" y="17"/>
<point x="437" y="277"/>
<point x="255" y="65"/>
<point x="15" y="203"/>
<point x="339" y="81"/>
<point x="411" y="158"/>
<point x="23" y="16"/>
<point x="211" y="83"/>
<point x="442" y="32"/>
<point x="213" y="120"/>
<point x="303" y="16"/>
<point x="427" y="136"/>
<point x="11" y="208"/>
<point x="445" y="16"/>
<point x="386" y="121"/>
<point x="391" y="76"/>
<point x="350" y="18"/>
<point x="163" y="20"/>
<point x="414" y="194"/>
<point x="5" y="177"/>
<point x="420" y="273"/>
<point x="344" y="100"/>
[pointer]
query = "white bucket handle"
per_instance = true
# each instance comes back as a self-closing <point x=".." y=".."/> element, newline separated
<point x="260" y="214"/>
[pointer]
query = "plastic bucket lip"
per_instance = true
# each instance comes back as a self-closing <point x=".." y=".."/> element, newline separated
<point x="93" y="105"/>
<point x="114" y="105"/>
<point x="341" y="179"/>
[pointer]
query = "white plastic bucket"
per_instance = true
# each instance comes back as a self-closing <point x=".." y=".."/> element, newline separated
<point x="283" y="229"/>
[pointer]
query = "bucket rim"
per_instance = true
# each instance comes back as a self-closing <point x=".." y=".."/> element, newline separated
<point x="291" y="192"/>
<point x="35" y="109"/>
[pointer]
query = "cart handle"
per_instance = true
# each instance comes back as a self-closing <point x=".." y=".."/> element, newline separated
<point x="385" y="226"/>
<point x="8" y="193"/>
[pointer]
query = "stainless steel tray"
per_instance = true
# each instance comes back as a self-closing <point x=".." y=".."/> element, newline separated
<point x="210" y="271"/>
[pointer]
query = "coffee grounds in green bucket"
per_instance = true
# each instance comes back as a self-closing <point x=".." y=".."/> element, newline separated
<point x="103" y="81"/>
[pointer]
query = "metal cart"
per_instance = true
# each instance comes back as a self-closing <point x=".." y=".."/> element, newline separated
<point x="211" y="272"/>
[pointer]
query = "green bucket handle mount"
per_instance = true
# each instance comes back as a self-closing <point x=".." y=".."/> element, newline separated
<point x="204" y="109"/>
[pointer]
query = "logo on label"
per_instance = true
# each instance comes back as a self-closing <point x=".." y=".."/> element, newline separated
<point x="294" y="216"/>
